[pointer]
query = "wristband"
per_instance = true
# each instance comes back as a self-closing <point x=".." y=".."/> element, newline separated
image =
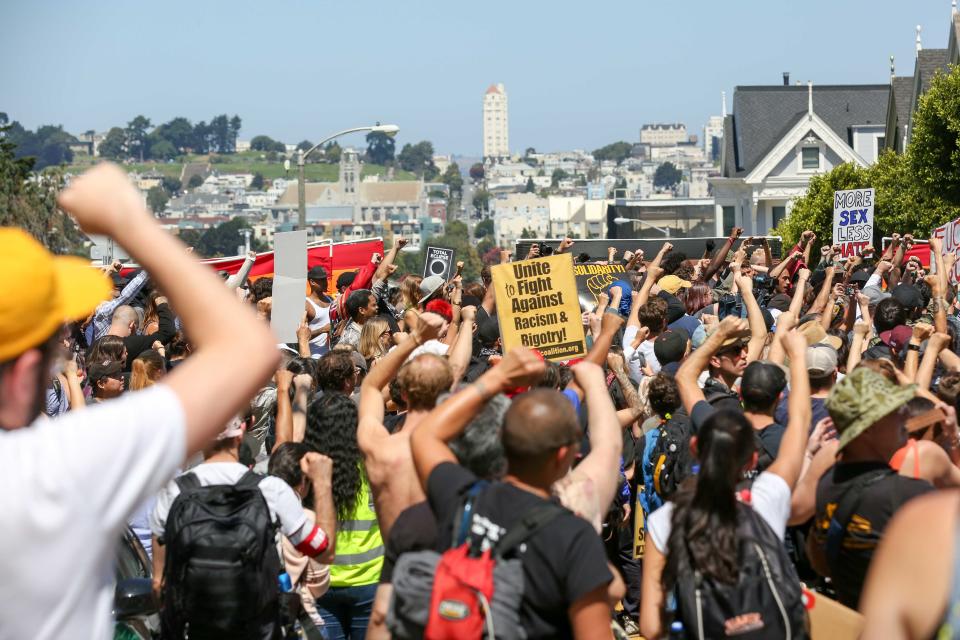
<point x="913" y="347"/>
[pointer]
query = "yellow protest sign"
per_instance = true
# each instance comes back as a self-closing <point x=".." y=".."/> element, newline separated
<point x="537" y="306"/>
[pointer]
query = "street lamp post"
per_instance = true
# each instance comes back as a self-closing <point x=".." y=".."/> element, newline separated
<point x="388" y="129"/>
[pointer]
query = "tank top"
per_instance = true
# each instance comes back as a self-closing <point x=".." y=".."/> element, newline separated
<point x="359" y="556"/>
<point x="321" y="317"/>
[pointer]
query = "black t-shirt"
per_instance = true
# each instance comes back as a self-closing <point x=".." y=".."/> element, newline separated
<point x="878" y="502"/>
<point x="415" y="529"/>
<point x="562" y="562"/>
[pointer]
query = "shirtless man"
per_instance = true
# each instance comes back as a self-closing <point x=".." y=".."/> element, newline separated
<point x="387" y="456"/>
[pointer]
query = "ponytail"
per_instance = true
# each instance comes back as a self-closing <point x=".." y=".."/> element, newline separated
<point x="704" y="520"/>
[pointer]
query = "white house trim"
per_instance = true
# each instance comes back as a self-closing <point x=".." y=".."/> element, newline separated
<point x="789" y="143"/>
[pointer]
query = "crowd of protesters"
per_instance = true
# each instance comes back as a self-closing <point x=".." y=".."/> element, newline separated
<point x="755" y="422"/>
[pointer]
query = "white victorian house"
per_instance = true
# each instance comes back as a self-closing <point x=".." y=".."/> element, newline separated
<point x="778" y="137"/>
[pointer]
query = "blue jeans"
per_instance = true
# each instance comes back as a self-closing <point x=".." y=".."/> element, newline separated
<point x="346" y="611"/>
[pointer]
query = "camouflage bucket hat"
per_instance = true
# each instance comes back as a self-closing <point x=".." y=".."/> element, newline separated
<point x="863" y="398"/>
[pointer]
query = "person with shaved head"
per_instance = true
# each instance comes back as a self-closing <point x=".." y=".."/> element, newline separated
<point x="124" y="324"/>
<point x="565" y="571"/>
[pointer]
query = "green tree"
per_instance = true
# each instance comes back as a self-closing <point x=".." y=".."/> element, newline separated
<point x="305" y="145"/>
<point x="452" y="178"/>
<point x="527" y="234"/>
<point x="531" y="187"/>
<point x="32" y="204"/>
<point x="201" y="137"/>
<point x="418" y="159"/>
<point x="257" y="182"/>
<point x="114" y="144"/>
<point x="667" y="175"/>
<point x="477" y="172"/>
<point x="137" y="136"/>
<point x="195" y="181"/>
<point x="262" y="143"/>
<point x="235" y="124"/>
<point x="481" y="199"/>
<point x="616" y="151"/>
<point x="178" y="132"/>
<point x="483" y="228"/>
<point x="223" y="239"/>
<point x="457" y="237"/>
<point x="162" y="150"/>
<point x="934" y="153"/>
<point x="331" y="152"/>
<point x="157" y="199"/>
<point x="381" y="148"/>
<point x="558" y="175"/>
<point x="171" y="185"/>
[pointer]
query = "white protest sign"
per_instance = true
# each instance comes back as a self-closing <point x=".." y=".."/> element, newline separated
<point x="289" y="283"/>
<point x="439" y="262"/>
<point x="853" y="220"/>
<point x="950" y="234"/>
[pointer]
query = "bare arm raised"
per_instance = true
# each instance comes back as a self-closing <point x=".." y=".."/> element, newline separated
<point x="104" y="201"/>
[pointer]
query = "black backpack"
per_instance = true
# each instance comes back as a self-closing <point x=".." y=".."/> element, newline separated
<point x="671" y="461"/>
<point x="765" y="602"/>
<point x="222" y="564"/>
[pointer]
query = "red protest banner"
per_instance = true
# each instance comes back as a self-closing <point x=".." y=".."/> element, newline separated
<point x="336" y="258"/>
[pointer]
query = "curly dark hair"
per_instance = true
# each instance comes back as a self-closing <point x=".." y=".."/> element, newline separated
<point x="332" y="431"/>
<point x="672" y="262"/>
<point x="334" y="369"/>
<point x="261" y="288"/>
<point x="663" y="394"/>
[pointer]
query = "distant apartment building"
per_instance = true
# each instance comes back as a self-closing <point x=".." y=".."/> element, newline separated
<point x="515" y="212"/>
<point x="713" y="138"/>
<point x="496" y="141"/>
<point x="663" y="135"/>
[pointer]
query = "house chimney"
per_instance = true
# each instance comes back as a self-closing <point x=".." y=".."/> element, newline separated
<point x="786" y="78"/>
<point x="919" y="46"/>
<point x="891" y="69"/>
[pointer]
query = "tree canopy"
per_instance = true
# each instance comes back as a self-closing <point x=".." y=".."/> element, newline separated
<point x="615" y="151"/>
<point x="418" y="159"/>
<point x="667" y="175"/>
<point x="381" y="147"/>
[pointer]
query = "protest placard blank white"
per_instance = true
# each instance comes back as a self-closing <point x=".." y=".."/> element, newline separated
<point x="289" y="283"/>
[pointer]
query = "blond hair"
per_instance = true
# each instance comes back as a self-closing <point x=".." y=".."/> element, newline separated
<point x="370" y="347"/>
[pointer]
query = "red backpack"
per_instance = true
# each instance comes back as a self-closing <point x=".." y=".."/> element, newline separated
<point x="465" y="594"/>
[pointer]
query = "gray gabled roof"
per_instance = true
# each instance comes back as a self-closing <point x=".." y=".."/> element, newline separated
<point x="762" y="115"/>
<point x="929" y="61"/>
<point x="902" y="98"/>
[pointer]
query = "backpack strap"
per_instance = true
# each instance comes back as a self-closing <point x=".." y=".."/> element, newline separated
<point x="844" y="512"/>
<point x="187" y="482"/>
<point x="528" y="525"/>
<point x="249" y="480"/>
<point x="465" y="514"/>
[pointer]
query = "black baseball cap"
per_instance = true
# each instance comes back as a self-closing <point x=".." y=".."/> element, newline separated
<point x="317" y="273"/>
<point x="860" y="277"/>
<point x="670" y="346"/>
<point x="908" y="295"/>
<point x="105" y="369"/>
<point x="488" y="331"/>
<point x="762" y="384"/>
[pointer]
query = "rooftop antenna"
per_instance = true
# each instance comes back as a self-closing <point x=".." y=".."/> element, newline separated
<point x="892" y="67"/>
<point x="723" y="103"/>
<point x="953" y="8"/>
<point x="919" y="46"/>
<point x="809" y="97"/>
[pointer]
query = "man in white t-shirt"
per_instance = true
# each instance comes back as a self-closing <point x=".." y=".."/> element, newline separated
<point x="72" y="483"/>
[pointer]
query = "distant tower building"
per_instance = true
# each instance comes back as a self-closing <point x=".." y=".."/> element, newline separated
<point x="713" y="132"/>
<point x="349" y="174"/>
<point x="496" y="141"/>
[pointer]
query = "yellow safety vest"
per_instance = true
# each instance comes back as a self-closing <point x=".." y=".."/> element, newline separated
<point x="359" y="555"/>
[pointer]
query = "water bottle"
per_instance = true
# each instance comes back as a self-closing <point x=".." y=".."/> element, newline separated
<point x="286" y="585"/>
<point x="676" y="631"/>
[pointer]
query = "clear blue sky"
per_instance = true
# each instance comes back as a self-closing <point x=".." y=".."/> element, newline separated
<point x="578" y="75"/>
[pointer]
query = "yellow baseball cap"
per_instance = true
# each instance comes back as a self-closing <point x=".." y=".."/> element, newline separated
<point x="40" y="291"/>
<point x="671" y="284"/>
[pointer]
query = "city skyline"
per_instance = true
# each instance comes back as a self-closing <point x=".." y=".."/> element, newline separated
<point x="425" y="68"/>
